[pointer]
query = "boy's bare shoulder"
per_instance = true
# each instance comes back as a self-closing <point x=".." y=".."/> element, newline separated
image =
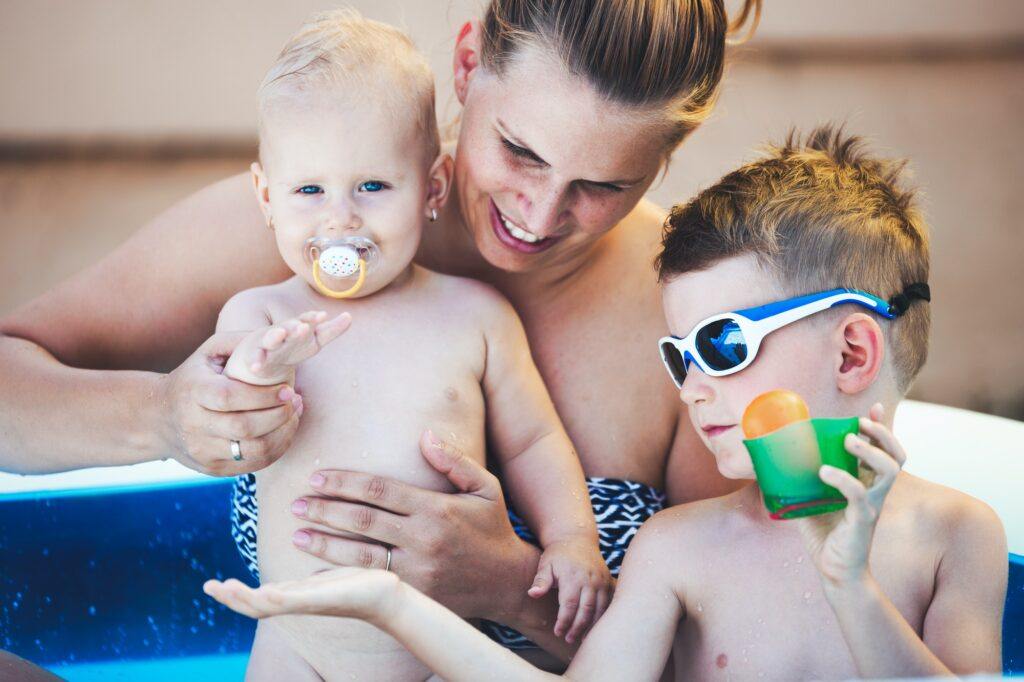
<point x="695" y="523"/>
<point x="948" y="516"/>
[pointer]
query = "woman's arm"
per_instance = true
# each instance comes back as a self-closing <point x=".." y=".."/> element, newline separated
<point x="146" y="306"/>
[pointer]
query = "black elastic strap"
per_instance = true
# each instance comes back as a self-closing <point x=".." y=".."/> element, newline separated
<point x="899" y="303"/>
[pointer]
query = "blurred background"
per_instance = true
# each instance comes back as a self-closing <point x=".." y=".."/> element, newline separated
<point x="113" y="110"/>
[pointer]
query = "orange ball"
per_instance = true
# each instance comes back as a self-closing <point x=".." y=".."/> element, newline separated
<point x="771" y="411"/>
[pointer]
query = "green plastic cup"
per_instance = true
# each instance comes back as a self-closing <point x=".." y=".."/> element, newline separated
<point x="787" y="461"/>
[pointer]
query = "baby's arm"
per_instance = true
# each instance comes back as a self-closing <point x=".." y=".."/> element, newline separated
<point x="543" y="475"/>
<point x="961" y="631"/>
<point x="632" y="641"/>
<point x="278" y="342"/>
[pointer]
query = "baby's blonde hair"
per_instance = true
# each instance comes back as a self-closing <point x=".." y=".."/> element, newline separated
<point x="341" y="49"/>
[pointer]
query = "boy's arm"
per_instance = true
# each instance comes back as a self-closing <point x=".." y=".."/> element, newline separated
<point x="538" y="464"/>
<point x="632" y="640"/>
<point x="963" y="623"/>
<point x="961" y="630"/>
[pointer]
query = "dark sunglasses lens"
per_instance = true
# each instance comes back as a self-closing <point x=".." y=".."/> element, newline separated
<point x="674" y="360"/>
<point x="721" y="344"/>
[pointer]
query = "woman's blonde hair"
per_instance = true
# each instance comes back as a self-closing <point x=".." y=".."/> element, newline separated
<point x="657" y="54"/>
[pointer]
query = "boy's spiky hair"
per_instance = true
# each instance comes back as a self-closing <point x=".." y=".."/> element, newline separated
<point x="818" y="213"/>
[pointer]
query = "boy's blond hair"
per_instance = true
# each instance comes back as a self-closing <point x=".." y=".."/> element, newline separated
<point x="341" y="49"/>
<point x="818" y="214"/>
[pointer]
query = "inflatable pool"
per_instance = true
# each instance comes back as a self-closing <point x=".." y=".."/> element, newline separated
<point x="101" y="569"/>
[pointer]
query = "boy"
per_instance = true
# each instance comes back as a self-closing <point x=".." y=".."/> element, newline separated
<point x="916" y="590"/>
<point x="350" y="171"/>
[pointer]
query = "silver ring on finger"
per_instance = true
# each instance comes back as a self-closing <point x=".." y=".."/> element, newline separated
<point x="236" y="451"/>
<point x="387" y="565"/>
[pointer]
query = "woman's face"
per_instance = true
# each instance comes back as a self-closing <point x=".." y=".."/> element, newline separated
<point x="545" y="166"/>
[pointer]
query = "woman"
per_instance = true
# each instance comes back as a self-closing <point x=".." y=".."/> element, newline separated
<point x="570" y="110"/>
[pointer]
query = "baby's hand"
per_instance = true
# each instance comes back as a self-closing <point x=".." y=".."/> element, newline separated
<point x="584" y="584"/>
<point x="840" y="543"/>
<point x="269" y="355"/>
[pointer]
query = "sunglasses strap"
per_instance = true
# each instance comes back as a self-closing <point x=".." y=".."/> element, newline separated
<point x="899" y="303"/>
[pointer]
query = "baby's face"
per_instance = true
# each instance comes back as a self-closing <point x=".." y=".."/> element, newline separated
<point x="337" y="167"/>
<point x="795" y="357"/>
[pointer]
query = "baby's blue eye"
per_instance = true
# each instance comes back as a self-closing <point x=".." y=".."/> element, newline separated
<point x="371" y="186"/>
<point x="310" y="189"/>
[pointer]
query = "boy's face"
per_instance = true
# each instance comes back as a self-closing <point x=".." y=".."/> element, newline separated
<point x="337" y="167"/>
<point x="798" y="357"/>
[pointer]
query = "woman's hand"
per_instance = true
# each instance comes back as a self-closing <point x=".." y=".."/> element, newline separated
<point x="207" y="410"/>
<point x="458" y="548"/>
<point x="840" y="543"/>
<point x="345" y="592"/>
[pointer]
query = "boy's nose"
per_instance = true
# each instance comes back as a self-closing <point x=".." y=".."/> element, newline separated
<point x="696" y="387"/>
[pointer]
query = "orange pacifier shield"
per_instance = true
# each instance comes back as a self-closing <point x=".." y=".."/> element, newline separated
<point x="771" y="411"/>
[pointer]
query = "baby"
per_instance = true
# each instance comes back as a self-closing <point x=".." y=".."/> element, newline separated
<point x="914" y="588"/>
<point x="349" y="175"/>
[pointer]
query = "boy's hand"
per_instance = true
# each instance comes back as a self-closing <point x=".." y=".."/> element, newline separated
<point x="269" y="355"/>
<point x="840" y="543"/>
<point x="362" y="593"/>
<point x="584" y="584"/>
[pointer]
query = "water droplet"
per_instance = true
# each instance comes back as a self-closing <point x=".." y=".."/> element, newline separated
<point x="799" y="559"/>
<point x="700" y="608"/>
<point x="785" y="564"/>
<point x="760" y="673"/>
<point x="807" y="595"/>
<point x="355" y="383"/>
<point x="92" y="610"/>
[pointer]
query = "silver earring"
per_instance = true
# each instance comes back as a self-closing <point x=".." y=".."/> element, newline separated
<point x="433" y="215"/>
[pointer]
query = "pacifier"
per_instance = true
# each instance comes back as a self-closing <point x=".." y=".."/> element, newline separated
<point x="340" y="265"/>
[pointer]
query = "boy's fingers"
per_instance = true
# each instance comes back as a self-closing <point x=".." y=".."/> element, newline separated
<point x="584" y="615"/>
<point x="885" y="439"/>
<point x="880" y="461"/>
<point x="542" y="583"/>
<point x="852" y="489"/>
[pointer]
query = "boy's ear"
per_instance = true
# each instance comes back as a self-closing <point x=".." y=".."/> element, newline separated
<point x="860" y="346"/>
<point x="440" y="183"/>
<point x="259" y="180"/>
<point x="466" y="58"/>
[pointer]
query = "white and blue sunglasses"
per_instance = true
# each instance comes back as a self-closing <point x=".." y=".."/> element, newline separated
<point x="727" y="343"/>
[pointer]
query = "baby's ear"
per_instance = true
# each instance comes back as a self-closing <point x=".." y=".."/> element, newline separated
<point x="259" y="181"/>
<point x="858" y="345"/>
<point x="440" y="183"/>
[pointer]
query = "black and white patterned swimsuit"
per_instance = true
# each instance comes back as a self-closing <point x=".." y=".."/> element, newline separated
<point x="619" y="506"/>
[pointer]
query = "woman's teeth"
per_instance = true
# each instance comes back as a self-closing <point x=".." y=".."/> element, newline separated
<point x="517" y="232"/>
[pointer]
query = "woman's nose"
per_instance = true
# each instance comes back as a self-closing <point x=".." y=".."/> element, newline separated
<point x="544" y="210"/>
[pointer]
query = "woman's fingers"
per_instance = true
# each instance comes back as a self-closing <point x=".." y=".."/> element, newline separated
<point x="465" y="474"/>
<point x="379" y="491"/>
<point x="221" y="394"/>
<point x="231" y="594"/>
<point x="250" y="424"/>
<point x="366" y="521"/>
<point x="344" y="551"/>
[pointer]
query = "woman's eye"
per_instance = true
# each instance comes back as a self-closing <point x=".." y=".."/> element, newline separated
<point x="310" y="189"/>
<point x="371" y="186"/>
<point x="520" y="152"/>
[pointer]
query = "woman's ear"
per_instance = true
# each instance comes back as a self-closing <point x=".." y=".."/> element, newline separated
<point x="259" y="180"/>
<point x="439" y="185"/>
<point x="859" y="347"/>
<point x="466" y="58"/>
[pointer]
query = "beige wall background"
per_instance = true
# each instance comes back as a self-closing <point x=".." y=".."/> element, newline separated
<point x="112" y="110"/>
